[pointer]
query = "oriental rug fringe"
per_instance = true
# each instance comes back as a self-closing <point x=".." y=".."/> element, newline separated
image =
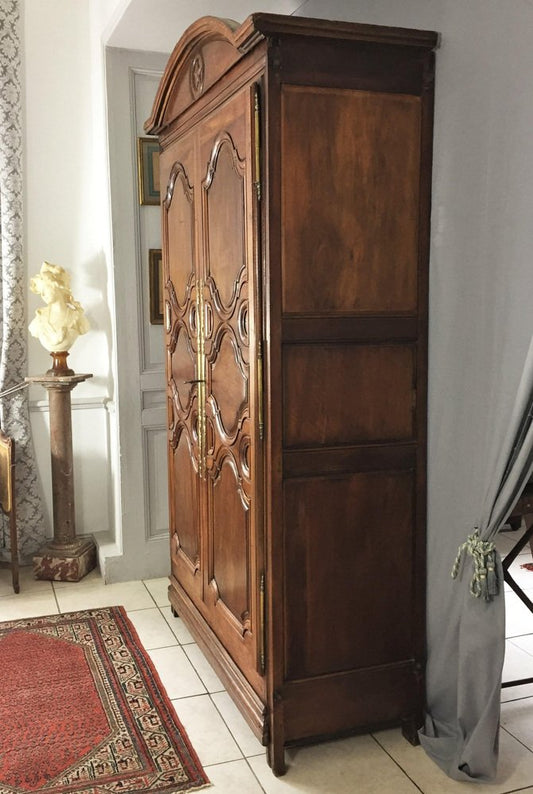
<point x="82" y="711"/>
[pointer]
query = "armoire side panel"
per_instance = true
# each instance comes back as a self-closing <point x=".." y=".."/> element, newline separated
<point x="351" y="164"/>
<point x="352" y="393"/>
<point x="348" y="542"/>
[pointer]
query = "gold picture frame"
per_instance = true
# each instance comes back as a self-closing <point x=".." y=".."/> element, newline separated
<point x="155" y="263"/>
<point x="148" y="170"/>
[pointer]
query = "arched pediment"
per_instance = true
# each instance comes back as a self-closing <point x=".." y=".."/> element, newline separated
<point x="204" y="52"/>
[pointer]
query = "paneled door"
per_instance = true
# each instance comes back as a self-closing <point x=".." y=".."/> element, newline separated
<point x="213" y="366"/>
<point x="229" y="203"/>
<point x="184" y="364"/>
<point x="139" y="417"/>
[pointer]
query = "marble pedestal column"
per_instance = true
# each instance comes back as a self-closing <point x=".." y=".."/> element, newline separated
<point x="66" y="558"/>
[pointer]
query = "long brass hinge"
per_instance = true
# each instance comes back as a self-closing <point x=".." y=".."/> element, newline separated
<point x="257" y="185"/>
<point x="260" y="407"/>
<point x="201" y="378"/>
<point x="262" y="626"/>
<point x="257" y="142"/>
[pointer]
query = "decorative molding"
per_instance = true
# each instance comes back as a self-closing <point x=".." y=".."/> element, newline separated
<point x="239" y="165"/>
<point x="199" y="34"/>
<point x="178" y="170"/>
<point x="77" y="404"/>
<point x="197" y="74"/>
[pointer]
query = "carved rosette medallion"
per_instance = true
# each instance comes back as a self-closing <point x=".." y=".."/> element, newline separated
<point x="197" y="74"/>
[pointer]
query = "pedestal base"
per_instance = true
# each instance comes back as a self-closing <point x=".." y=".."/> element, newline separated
<point x="65" y="563"/>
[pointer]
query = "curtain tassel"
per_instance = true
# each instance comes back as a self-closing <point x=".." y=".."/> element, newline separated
<point x="484" y="583"/>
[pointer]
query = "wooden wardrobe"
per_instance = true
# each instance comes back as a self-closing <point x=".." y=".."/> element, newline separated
<point x="295" y="175"/>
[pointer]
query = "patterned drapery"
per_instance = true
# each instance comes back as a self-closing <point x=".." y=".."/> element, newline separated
<point x="14" y="412"/>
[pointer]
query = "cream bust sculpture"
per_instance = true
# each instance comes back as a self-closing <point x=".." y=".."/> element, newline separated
<point x="62" y="320"/>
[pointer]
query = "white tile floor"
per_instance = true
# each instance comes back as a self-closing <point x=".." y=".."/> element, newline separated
<point x="380" y="763"/>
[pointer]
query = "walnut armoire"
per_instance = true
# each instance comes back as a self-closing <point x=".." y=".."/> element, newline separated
<point x="295" y="174"/>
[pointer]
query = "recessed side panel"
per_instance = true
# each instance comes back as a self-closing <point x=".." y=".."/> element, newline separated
<point x="350" y="202"/>
<point x="351" y="393"/>
<point x="185" y="530"/>
<point x="356" y="700"/>
<point x="230" y="550"/>
<point x="225" y="212"/>
<point x="156" y="512"/>
<point x="180" y="233"/>
<point x="348" y="551"/>
<point x="229" y="371"/>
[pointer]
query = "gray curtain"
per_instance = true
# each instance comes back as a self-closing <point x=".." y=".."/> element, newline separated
<point x="465" y="663"/>
<point x="14" y="413"/>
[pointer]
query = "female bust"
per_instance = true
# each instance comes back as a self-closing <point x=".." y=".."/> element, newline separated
<point x="61" y="321"/>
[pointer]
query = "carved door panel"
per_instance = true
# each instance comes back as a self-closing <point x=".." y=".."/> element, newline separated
<point x="230" y="346"/>
<point x="183" y="365"/>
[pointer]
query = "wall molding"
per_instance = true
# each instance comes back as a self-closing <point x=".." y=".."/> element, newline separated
<point x="77" y="404"/>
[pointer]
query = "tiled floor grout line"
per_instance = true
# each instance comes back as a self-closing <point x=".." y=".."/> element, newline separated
<point x="162" y="647"/>
<point x="190" y="697"/>
<point x="225" y="722"/>
<point x="515" y="700"/>
<point x="510" y="639"/>
<point x="56" y="598"/>
<point x="400" y="767"/>
<point x="150" y="594"/>
<point x="207" y="767"/>
<point x="517" y="739"/>
<point x="243" y="757"/>
<point x="222" y="763"/>
<point x="246" y="758"/>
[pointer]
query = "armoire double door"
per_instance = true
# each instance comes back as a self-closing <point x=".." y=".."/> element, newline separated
<point x="211" y="258"/>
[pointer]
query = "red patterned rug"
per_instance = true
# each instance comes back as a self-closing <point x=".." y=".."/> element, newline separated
<point x="82" y="710"/>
